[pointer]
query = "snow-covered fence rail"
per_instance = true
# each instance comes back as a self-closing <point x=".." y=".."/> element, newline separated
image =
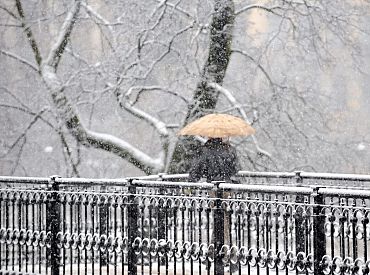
<point x="162" y="224"/>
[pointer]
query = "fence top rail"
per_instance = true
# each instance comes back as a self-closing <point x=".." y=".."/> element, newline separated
<point x="363" y="193"/>
<point x="346" y="193"/>
<point x="335" y="176"/>
<point x="90" y="182"/>
<point x="25" y="180"/>
<point x="168" y="184"/>
<point x="267" y="188"/>
<point x="305" y="175"/>
<point x="276" y="175"/>
<point x="183" y="177"/>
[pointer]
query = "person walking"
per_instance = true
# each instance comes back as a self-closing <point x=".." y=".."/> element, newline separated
<point x="217" y="160"/>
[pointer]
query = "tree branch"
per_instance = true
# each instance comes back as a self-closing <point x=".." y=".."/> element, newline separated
<point x="159" y="125"/>
<point x="58" y="47"/>
<point x="20" y="59"/>
<point x="29" y="33"/>
<point x="9" y="12"/>
<point x="93" y="13"/>
<point x="229" y="96"/>
<point x="124" y="150"/>
<point x="86" y="137"/>
<point x="257" y="6"/>
<point x="68" y="152"/>
<point x="24" y="133"/>
<point x="260" y="67"/>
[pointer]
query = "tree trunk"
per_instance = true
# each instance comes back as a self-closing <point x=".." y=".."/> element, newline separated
<point x="205" y="98"/>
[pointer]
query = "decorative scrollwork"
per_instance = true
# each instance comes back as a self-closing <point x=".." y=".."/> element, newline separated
<point x="234" y="254"/>
<point x="366" y="268"/>
<point x="290" y="261"/>
<point x="271" y="259"/>
<point x="225" y="254"/>
<point x="339" y="266"/>
<point x="262" y="258"/>
<point x="281" y="260"/>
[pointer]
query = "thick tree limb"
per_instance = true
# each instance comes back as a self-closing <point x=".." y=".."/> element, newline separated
<point x="58" y="47"/>
<point x="125" y="150"/>
<point x="205" y="97"/>
<point x="29" y="33"/>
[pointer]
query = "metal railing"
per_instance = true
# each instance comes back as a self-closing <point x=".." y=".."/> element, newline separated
<point x="269" y="223"/>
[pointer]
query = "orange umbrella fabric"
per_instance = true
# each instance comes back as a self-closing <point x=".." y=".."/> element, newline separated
<point x="218" y="126"/>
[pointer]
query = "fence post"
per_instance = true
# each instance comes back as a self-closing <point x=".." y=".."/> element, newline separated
<point x="103" y="222"/>
<point x="299" y="226"/>
<point x="319" y="238"/>
<point x="161" y="213"/>
<point x="161" y="223"/>
<point x="53" y="222"/>
<point x="132" y="228"/>
<point x="218" y="230"/>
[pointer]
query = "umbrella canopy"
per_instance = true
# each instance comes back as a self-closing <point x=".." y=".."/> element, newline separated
<point x="217" y="126"/>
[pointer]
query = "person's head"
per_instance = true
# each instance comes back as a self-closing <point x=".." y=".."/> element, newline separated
<point x="225" y="140"/>
<point x="215" y="140"/>
<point x="212" y="142"/>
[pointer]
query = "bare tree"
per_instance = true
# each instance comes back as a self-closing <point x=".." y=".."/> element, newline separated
<point x="121" y="77"/>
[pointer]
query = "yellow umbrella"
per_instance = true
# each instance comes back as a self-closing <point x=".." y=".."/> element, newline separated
<point x="217" y="126"/>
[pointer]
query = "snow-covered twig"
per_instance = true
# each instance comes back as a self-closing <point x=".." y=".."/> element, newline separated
<point x="156" y="123"/>
<point x="20" y="59"/>
<point x="178" y="9"/>
<point x="257" y="6"/>
<point x="151" y="88"/>
<point x="159" y="125"/>
<point x="167" y="51"/>
<point x="229" y="96"/>
<point x="8" y="11"/>
<point x="24" y="133"/>
<point x="262" y="69"/>
<point x="93" y="13"/>
<point x="98" y="16"/>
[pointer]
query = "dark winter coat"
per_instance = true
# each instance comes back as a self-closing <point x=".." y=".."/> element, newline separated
<point x="217" y="162"/>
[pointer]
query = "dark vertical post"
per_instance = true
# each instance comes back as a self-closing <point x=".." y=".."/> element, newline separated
<point x="354" y="238"/>
<point x="299" y="220"/>
<point x="218" y="230"/>
<point x="319" y="238"/>
<point x="103" y="223"/>
<point x="365" y="222"/>
<point x="161" y="214"/>
<point x="132" y="228"/>
<point x="53" y="223"/>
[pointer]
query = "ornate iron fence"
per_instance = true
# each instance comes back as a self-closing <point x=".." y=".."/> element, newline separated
<point x="269" y="223"/>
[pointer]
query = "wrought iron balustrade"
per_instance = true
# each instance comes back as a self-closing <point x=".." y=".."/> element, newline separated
<point x="269" y="223"/>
